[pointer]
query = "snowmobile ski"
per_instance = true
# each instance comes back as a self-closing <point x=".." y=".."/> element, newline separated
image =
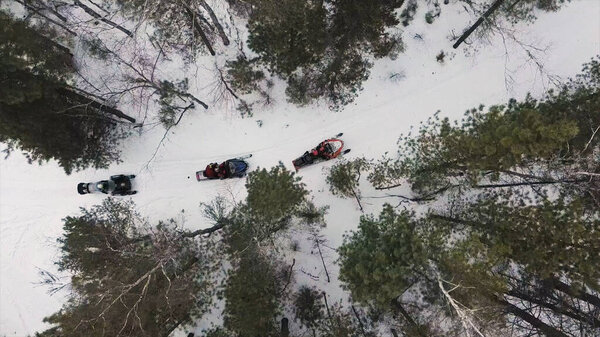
<point x="246" y="156"/>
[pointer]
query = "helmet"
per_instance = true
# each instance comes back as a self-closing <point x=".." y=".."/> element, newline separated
<point x="100" y="186"/>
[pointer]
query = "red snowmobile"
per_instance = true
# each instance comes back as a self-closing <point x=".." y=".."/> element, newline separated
<point x="325" y="150"/>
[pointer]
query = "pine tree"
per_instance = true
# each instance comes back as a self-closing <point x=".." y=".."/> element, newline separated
<point x="308" y="306"/>
<point x="343" y="178"/>
<point x="515" y="240"/>
<point x="128" y="278"/>
<point x="288" y="34"/>
<point x="187" y="27"/>
<point x="321" y="47"/>
<point x="274" y="196"/>
<point x="485" y="269"/>
<point x="251" y="296"/>
<point x="531" y="143"/>
<point x="381" y="260"/>
<point x="41" y="114"/>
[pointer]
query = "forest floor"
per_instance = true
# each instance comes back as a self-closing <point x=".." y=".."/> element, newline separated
<point x="399" y="95"/>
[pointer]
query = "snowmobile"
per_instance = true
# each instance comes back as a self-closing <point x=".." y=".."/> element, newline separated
<point x="116" y="185"/>
<point x="234" y="168"/>
<point x="328" y="149"/>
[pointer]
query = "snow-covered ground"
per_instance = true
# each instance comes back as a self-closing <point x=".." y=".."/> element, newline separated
<point x="34" y="199"/>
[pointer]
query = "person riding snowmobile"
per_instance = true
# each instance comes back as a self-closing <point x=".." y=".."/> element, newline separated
<point x="323" y="151"/>
<point x="102" y="186"/>
<point x="223" y="171"/>
<point x="214" y="170"/>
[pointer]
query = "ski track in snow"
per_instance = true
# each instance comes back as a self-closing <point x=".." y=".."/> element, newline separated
<point x="34" y="199"/>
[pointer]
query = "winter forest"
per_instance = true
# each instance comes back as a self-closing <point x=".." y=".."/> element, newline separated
<point x="469" y="204"/>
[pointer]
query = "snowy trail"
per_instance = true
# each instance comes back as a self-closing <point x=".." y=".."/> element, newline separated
<point x="34" y="199"/>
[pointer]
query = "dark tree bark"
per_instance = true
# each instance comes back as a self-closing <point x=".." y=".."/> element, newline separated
<point x="216" y="22"/>
<point x="561" y="309"/>
<point x="82" y="99"/>
<point x="322" y="260"/>
<point x="209" y="230"/>
<point x="360" y="324"/>
<point x="567" y="289"/>
<point x="198" y="28"/>
<point x="51" y="10"/>
<point x="327" y="305"/>
<point x="398" y="308"/>
<point x="477" y="23"/>
<point x="96" y="15"/>
<point x="532" y="320"/>
<point x="34" y="10"/>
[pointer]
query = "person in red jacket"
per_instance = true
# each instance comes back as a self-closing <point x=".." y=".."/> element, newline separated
<point x="223" y="171"/>
<point x="323" y="151"/>
<point x="211" y="171"/>
<point x="214" y="170"/>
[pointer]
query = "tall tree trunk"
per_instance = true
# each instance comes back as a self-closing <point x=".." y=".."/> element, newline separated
<point x="397" y="307"/>
<point x="216" y="22"/>
<point x="198" y="28"/>
<point x="477" y="23"/>
<point x="82" y="99"/>
<point x="532" y="320"/>
<point x="96" y="15"/>
<point x="34" y="10"/>
<point x="56" y="44"/>
<point x="51" y="10"/>
<point x="567" y="289"/>
<point x="360" y="324"/>
<point x="560" y="309"/>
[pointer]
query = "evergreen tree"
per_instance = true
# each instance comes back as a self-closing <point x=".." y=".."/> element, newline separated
<point x="308" y="306"/>
<point x="383" y="258"/>
<point x="343" y="178"/>
<point x="274" y="196"/>
<point x="550" y="142"/>
<point x="288" y="34"/>
<point x="41" y="114"/>
<point x="251" y="296"/>
<point x="276" y="200"/>
<point x="516" y="240"/>
<point x="483" y="270"/>
<point x="322" y="47"/>
<point x="187" y="27"/>
<point x="129" y="279"/>
<point x="242" y="76"/>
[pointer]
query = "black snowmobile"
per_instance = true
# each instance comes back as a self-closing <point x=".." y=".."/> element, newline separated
<point x="232" y="168"/>
<point x="325" y="150"/>
<point x="116" y="185"/>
